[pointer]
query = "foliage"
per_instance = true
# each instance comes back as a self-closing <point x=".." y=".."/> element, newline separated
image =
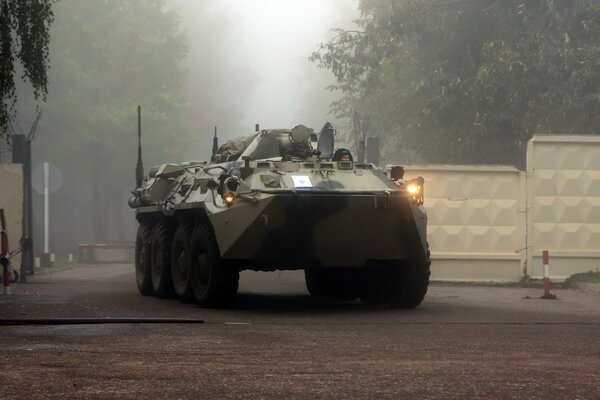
<point x="469" y="80"/>
<point x="588" y="277"/>
<point x="108" y="57"/>
<point x="24" y="38"/>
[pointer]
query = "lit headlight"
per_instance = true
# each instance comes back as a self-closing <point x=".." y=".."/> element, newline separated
<point x="229" y="198"/>
<point x="415" y="189"/>
<point x="230" y="186"/>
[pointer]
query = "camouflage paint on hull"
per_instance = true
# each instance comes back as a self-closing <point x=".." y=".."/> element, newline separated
<point x="299" y="230"/>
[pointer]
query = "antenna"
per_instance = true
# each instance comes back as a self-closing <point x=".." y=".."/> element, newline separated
<point x="215" y="143"/>
<point x="139" y="169"/>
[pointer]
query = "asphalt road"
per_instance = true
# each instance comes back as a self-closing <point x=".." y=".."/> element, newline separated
<point x="462" y="342"/>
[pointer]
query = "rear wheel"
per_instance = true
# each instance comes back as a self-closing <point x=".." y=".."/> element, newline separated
<point x="180" y="262"/>
<point x="143" y="245"/>
<point x="162" y="243"/>
<point x="213" y="282"/>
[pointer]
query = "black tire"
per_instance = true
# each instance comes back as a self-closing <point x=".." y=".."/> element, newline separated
<point x="340" y="284"/>
<point x="411" y="288"/>
<point x="180" y="262"/>
<point x="414" y="283"/>
<point x="143" y="244"/>
<point x="160" y="266"/>
<point x="400" y="284"/>
<point x="214" y="283"/>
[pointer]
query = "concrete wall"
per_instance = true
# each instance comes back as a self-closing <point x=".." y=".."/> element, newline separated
<point x="11" y="199"/>
<point x="491" y="223"/>
<point x="563" y="189"/>
<point x="476" y="221"/>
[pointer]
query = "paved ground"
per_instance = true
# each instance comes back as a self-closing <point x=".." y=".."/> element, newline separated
<point x="463" y="342"/>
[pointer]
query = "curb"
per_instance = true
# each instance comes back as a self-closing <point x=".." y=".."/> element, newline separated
<point x="592" y="287"/>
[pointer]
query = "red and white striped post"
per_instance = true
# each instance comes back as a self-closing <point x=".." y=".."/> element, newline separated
<point x="546" y="261"/>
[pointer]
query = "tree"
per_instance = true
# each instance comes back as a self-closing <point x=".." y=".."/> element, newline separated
<point x="108" y="57"/>
<point x="469" y="81"/>
<point x="24" y="38"/>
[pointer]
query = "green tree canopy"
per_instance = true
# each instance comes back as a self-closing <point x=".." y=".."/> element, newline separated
<point x="108" y="57"/>
<point x="24" y="39"/>
<point x="469" y="80"/>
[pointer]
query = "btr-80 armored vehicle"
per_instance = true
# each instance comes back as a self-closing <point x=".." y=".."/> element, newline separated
<point x="282" y="199"/>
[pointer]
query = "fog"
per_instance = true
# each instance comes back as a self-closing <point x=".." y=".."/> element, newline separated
<point x="256" y="70"/>
<point x="191" y="65"/>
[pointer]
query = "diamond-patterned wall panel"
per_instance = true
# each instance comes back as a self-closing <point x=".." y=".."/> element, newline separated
<point x="564" y="194"/>
<point x="474" y="210"/>
<point x="499" y="216"/>
<point x="563" y="153"/>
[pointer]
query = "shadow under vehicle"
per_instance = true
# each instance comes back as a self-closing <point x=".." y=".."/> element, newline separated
<point x="282" y="199"/>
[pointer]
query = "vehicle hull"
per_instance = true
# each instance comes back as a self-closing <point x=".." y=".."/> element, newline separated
<point x="306" y="230"/>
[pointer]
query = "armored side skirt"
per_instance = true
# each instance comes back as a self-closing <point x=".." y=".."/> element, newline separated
<point x="293" y="231"/>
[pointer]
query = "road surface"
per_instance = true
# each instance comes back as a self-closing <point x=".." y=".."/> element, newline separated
<point x="462" y="342"/>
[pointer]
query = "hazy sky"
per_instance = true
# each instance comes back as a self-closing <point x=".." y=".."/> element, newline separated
<point x="279" y="35"/>
<point x="269" y="76"/>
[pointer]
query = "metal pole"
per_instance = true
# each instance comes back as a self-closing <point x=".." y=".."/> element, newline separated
<point x="29" y="256"/>
<point x="27" y="224"/>
<point x="46" y="208"/>
<point x="215" y="146"/>
<point x="139" y="169"/>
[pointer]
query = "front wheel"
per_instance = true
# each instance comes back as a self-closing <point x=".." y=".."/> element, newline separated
<point x="213" y="282"/>
<point x="412" y="284"/>
<point x="400" y="284"/>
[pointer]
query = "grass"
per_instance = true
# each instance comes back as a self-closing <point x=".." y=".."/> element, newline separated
<point x="587" y="277"/>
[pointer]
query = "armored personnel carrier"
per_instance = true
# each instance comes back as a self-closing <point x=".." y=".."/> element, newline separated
<point x="282" y="199"/>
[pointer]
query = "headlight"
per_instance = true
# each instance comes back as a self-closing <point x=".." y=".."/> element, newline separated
<point x="230" y="186"/>
<point x="235" y="173"/>
<point x="415" y="189"/>
<point x="229" y="198"/>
